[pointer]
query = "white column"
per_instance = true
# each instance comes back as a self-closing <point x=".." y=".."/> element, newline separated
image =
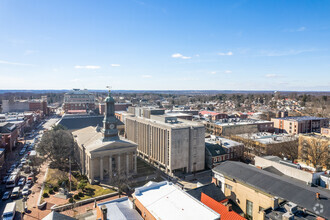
<point x="135" y="162"/>
<point x="101" y="168"/>
<point x="118" y="163"/>
<point x="110" y="166"/>
<point x="91" y="170"/>
<point x="127" y="164"/>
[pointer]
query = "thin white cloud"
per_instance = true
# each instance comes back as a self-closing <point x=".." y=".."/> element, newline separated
<point x="179" y="55"/>
<point x="300" y="29"/>
<point x="226" y="54"/>
<point x="14" y="63"/>
<point x="87" y="67"/>
<point x="115" y="65"/>
<point x="228" y="71"/>
<point x="285" y="52"/>
<point x="214" y="72"/>
<point x="271" y="75"/>
<point x="147" y="76"/>
<point x="29" y="52"/>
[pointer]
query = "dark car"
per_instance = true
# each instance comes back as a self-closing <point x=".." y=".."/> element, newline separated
<point x="6" y="195"/>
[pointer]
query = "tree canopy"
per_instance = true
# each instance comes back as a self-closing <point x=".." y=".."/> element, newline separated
<point x="57" y="145"/>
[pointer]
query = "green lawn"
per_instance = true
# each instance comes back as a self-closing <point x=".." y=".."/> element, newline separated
<point x="54" y="175"/>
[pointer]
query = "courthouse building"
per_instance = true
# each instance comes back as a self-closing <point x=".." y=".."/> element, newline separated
<point x="100" y="153"/>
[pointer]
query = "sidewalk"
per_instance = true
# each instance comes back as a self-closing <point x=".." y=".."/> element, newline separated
<point x="34" y="196"/>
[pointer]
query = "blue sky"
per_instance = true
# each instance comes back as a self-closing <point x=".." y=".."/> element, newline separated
<point x="174" y="44"/>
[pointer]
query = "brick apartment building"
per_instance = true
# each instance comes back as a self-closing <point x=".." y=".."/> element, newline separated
<point x="118" y="107"/>
<point x="297" y="125"/>
<point x="25" y="105"/>
<point x="78" y="100"/>
<point x="213" y="115"/>
<point x="9" y="133"/>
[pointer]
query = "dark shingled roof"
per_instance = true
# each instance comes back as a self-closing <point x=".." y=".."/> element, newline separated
<point x="210" y="189"/>
<point x="304" y="196"/>
<point x="215" y="149"/>
<point x="75" y="122"/>
<point x="5" y="127"/>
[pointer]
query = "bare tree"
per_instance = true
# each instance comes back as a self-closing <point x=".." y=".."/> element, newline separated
<point x="57" y="145"/>
<point x="315" y="151"/>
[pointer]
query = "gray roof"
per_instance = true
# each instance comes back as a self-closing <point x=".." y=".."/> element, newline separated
<point x="301" y="194"/>
<point x="301" y="118"/>
<point x="120" y="209"/>
<point x="215" y="149"/>
<point x="210" y="189"/>
<point x="57" y="216"/>
<point x="6" y="127"/>
<point x="75" y="122"/>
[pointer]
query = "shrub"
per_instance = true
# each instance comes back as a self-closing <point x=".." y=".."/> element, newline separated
<point x="55" y="188"/>
<point x="45" y="195"/>
<point x="82" y="185"/>
<point x="76" y="197"/>
<point x="80" y="194"/>
<point x="71" y="200"/>
<point x="51" y="191"/>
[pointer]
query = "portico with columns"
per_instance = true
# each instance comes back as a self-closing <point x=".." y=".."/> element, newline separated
<point x="101" y="154"/>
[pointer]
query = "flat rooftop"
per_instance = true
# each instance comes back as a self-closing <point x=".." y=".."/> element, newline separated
<point x="227" y="143"/>
<point x="160" y="120"/>
<point x="301" y="118"/>
<point x="237" y="122"/>
<point x="167" y="201"/>
<point x="269" y="138"/>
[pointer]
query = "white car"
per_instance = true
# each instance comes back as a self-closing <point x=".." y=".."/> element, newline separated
<point x="25" y="191"/>
<point x="21" y="181"/>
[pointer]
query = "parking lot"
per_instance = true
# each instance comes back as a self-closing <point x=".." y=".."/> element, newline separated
<point x="19" y="167"/>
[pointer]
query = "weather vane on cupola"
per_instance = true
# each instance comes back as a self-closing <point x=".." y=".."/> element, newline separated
<point x="109" y="89"/>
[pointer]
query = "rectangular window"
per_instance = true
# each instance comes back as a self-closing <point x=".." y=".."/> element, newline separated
<point x="249" y="209"/>
<point x="229" y="187"/>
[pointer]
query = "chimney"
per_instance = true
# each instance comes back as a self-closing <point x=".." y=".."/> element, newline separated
<point x="229" y="207"/>
<point x="104" y="212"/>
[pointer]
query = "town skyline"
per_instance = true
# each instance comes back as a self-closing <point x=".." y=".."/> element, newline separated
<point x="147" y="45"/>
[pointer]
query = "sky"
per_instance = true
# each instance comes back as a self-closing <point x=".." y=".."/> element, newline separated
<point x="165" y="45"/>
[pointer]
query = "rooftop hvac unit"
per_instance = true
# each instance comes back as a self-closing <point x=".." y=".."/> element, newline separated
<point x="288" y="216"/>
<point x="291" y="207"/>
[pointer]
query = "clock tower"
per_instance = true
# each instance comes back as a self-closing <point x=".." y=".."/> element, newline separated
<point x="110" y="130"/>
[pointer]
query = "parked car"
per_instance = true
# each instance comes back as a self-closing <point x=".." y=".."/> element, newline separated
<point x="21" y="181"/>
<point x="4" y="180"/>
<point x="10" y="170"/>
<point x="25" y="190"/>
<point x="15" y="193"/>
<point x="6" y="195"/>
<point x="29" y="182"/>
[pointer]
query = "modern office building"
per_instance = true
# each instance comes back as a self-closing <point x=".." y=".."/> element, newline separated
<point x="297" y="125"/>
<point x="172" y="144"/>
<point x="77" y="99"/>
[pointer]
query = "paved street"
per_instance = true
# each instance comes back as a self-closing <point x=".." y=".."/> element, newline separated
<point x="13" y="157"/>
